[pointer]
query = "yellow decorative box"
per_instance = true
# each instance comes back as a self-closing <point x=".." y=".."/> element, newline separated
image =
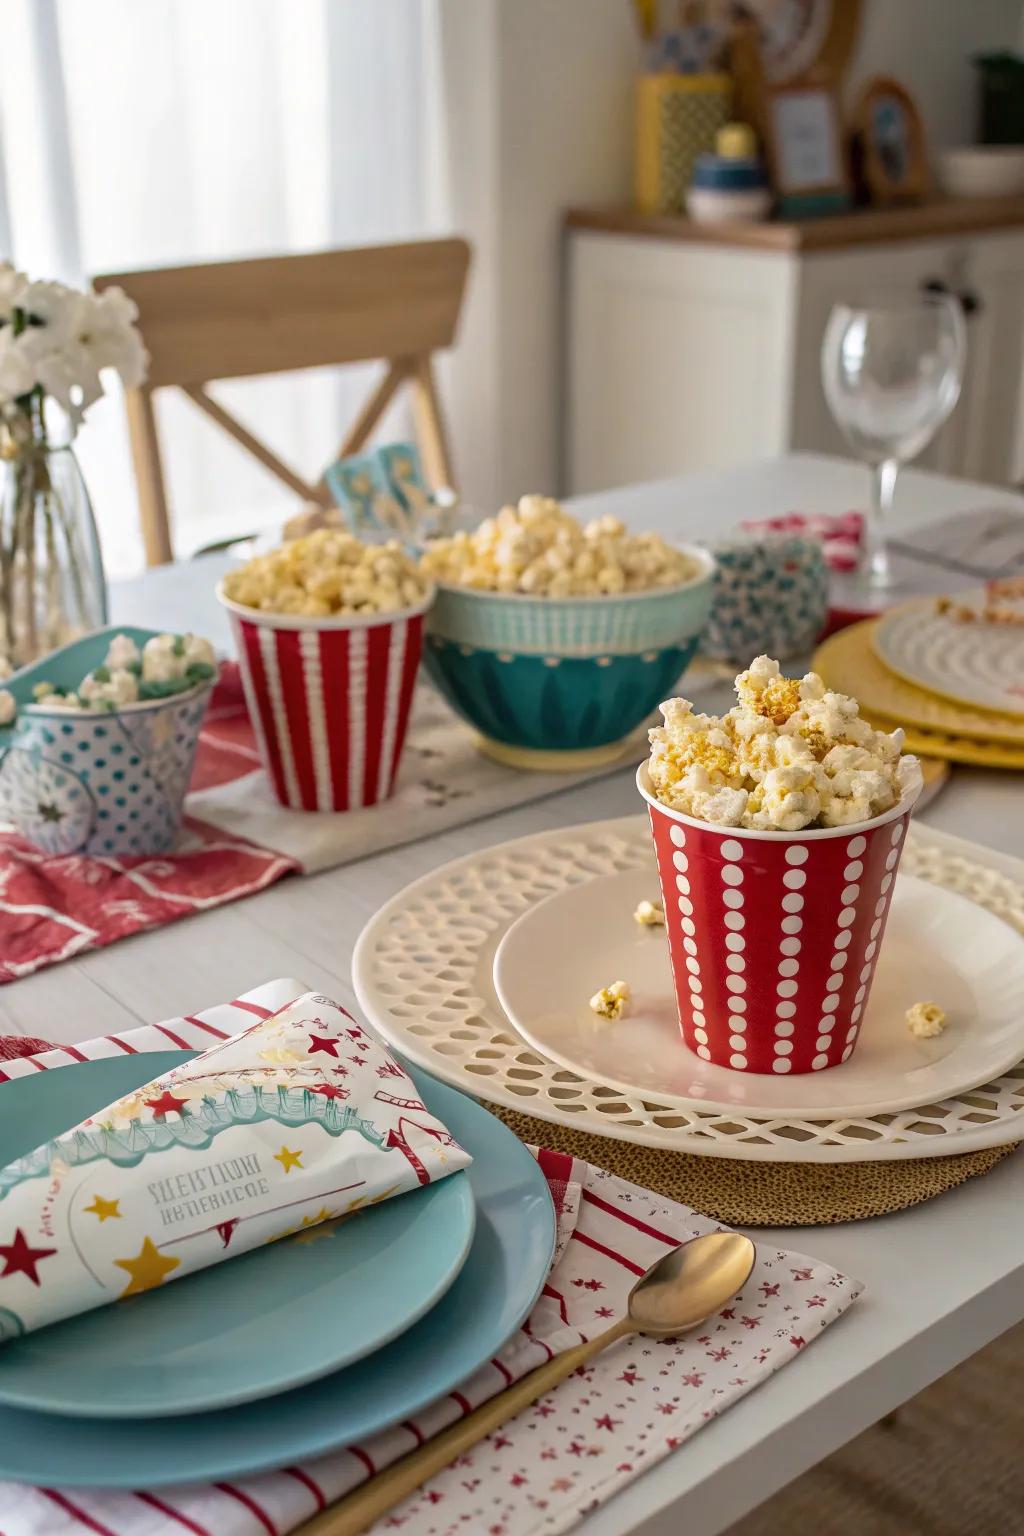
<point x="677" y="118"/>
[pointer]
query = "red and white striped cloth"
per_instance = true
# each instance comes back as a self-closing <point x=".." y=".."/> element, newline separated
<point x="558" y="1459"/>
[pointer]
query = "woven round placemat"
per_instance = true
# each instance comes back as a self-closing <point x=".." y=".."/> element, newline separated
<point x="763" y="1194"/>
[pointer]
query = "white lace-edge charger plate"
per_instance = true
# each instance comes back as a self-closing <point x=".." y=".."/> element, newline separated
<point x="980" y="664"/>
<point x="560" y="951"/>
<point x="422" y="970"/>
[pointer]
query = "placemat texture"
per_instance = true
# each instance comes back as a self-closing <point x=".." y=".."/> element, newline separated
<point x="764" y="1194"/>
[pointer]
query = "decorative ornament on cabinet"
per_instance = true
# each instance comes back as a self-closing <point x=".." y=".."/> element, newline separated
<point x="889" y="140"/>
<point x="806" y="149"/>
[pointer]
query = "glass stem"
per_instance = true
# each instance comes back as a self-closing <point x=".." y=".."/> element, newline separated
<point x="875" y="564"/>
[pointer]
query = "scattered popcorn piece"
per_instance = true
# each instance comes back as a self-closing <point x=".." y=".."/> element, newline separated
<point x="539" y="548"/>
<point x="612" y="1001"/>
<point x="791" y="754"/>
<point x="1003" y="603"/>
<point x="650" y="914"/>
<point x="8" y="707"/>
<point x="5" y="668"/>
<point x="329" y="574"/>
<point x="926" y="1020"/>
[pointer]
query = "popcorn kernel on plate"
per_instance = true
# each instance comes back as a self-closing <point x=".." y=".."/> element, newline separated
<point x="612" y="1001"/>
<point x="650" y="914"/>
<point x="926" y="1020"/>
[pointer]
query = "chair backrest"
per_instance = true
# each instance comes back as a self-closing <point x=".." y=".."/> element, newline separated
<point x="236" y="319"/>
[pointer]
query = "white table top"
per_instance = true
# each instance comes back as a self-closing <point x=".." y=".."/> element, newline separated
<point x="942" y="1280"/>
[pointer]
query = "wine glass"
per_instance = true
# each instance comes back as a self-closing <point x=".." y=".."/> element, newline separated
<point x="892" y="375"/>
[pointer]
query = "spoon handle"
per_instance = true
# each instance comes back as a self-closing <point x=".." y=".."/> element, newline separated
<point x="374" y="1498"/>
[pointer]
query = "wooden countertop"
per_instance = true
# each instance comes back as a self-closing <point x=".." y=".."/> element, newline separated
<point x="863" y="226"/>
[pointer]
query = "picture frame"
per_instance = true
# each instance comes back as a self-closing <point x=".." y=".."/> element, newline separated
<point x="892" y="160"/>
<point x="806" y="149"/>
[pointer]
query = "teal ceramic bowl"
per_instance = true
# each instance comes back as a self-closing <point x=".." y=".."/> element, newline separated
<point x="560" y="683"/>
<point x="99" y="784"/>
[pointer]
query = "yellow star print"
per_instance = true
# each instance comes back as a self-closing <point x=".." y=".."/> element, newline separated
<point x="288" y="1159"/>
<point x="323" y="1214"/>
<point x="103" y="1209"/>
<point x="149" y="1268"/>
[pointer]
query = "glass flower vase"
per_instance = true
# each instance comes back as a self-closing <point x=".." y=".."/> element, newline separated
<point x="52" y="586"/>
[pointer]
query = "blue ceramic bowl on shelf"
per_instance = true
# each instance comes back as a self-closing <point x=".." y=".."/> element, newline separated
<point x="105" y="783"/>
<point x="559" y="683"/>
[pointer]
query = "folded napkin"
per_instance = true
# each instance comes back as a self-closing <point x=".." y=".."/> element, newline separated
<point x="558" y="1459"/>
<point x="300" y="1118"/>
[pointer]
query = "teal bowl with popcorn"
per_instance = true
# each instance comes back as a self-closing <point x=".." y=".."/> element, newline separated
<point x="560" y="683"/>
<point x="108" y="780"/>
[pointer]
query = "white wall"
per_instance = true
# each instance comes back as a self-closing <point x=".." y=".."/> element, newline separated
<point x="928" y="45"/>
<point x="540" y="94"/>
<point x="541" y="100"/>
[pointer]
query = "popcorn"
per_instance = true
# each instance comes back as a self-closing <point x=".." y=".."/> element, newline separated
<point x="329" y="574"/>
<point x="540" y="549"/>
<point x="791" y="754"/>
<point x="612" y="1001"/>
<point x="650" y="914"/>
<point x="8" y="707"/>
<point x="123" y="653"/>
<point x="168" y="664"/>
<point x="926" y="1020"/>
<point x="106" y="687"/>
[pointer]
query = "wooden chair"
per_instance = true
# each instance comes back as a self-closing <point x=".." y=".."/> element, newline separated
<point x="234" y="319"/>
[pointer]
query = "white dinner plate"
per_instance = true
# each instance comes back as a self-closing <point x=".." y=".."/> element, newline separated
<point x="979" y="664"/>
<point x="938" y="947"/>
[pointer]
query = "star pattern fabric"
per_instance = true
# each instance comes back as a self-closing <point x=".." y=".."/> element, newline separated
<point x="20" y="1258"/>
<point x="147" y="1269"/>
<point x="217" y="1156"/>
<point x="104" y="1210"/>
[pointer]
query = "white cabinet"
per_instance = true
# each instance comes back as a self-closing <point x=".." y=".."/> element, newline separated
<point x="685" y="356"/>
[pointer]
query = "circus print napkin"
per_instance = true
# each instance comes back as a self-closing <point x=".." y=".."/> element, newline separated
<point x="300" y="1119"/>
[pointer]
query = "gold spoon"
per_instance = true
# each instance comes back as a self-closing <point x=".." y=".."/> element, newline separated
<point x="680" y="1291"/>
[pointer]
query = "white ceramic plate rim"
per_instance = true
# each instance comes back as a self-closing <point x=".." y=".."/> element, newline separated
<point x="800" y="1105"/>
<point x="1005" y="1130"/>
<point x="886" y="649"/>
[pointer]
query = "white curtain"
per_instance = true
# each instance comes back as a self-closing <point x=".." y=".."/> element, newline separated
<point x="159" y="132"/>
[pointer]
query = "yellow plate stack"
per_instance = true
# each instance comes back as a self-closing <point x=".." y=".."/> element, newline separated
<point x="936" y="727"/>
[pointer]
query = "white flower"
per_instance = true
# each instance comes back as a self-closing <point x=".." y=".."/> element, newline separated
<point x="68" y="339"/>
<point x="12" y="285"/>
<point x="118" y="337"/>
<point x="17" y="366"/>
<point x="51" y="307"/>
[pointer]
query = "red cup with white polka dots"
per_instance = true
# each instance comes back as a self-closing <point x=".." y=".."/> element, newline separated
<point x="774" y="936"/>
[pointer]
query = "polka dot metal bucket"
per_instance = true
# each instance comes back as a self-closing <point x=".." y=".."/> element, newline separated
<point x="774" y="936"/>
<point x="98" y="784"/>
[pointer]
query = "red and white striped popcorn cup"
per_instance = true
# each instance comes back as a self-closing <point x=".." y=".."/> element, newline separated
<point x="329" y="700"/>
<point x="774" y="936"/>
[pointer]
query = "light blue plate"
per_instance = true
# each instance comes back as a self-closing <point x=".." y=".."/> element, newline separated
<point x="508" y="1262"/>
<point x="232" y="1333"/>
